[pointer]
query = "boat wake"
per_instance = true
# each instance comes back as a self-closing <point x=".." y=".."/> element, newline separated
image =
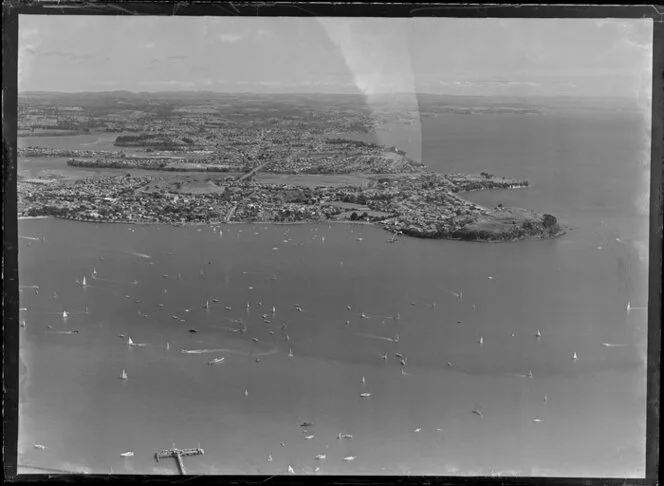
<point x="228" y="350"/>
<point x="116" y="282"/>
<point x="612" y="345"/>
<point x="233" y="329"/>
<point x="375" y="316"/>
<point x="382" y="338"/>
<point x="140" y="255"/>
<point x="458" y="295"/>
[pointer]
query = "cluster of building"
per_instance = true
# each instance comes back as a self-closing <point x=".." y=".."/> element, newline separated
<point x="276" y="151"/>
<point x="120" y="163"/>
<point x="58" y="152"/>
<point x="116" y="199"/>
<point x="420" y="205"/>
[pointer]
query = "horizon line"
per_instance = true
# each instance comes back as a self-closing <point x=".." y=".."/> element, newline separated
<point x="400" y="93"/>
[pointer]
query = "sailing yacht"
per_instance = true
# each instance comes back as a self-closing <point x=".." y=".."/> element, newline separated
<point x="94" y="272"/>
<point x="64" y="314"/>
<point x="123" y="376"/>
<point x="84" y="282"/>
<point x="130" y="342"/>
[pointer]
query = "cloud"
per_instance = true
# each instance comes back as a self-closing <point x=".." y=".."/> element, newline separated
<point x="228" y="38"/>
<point x="107" y="83"/>
<point x="262" y="34"/>
<point x="28" y="44"/>
<point x="67" y="55"/>
<point x="170" y="83"/>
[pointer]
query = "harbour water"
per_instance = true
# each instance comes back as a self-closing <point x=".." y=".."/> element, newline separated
<point x="538" y="411"/>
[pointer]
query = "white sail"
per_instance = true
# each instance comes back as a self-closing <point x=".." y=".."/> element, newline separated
<point x="64" y="314"/>
<point x="130" y="342"/>
<point x="124" y="375"/>
<point x="168" y="347"/>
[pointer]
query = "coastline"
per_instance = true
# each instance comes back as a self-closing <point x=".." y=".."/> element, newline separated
<point x="412" y="202"/>
<point x="558" y="234"/>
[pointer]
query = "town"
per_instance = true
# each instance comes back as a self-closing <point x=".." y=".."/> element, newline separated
<point x="423" y="205"/>
<point x="299" y="143"/>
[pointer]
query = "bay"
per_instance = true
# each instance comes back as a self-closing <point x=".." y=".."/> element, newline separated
<point x="586" y="169"/>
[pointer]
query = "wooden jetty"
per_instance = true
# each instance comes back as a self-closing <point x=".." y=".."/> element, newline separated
<point x="177" y="454"/>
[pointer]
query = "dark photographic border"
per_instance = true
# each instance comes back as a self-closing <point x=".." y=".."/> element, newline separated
<point x="11" y="11"/>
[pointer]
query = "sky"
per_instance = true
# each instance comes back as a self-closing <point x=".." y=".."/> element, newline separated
<point x="575" y="57"/>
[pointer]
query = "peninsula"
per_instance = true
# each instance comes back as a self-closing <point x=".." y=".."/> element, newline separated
<point x="196" y="162"/>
